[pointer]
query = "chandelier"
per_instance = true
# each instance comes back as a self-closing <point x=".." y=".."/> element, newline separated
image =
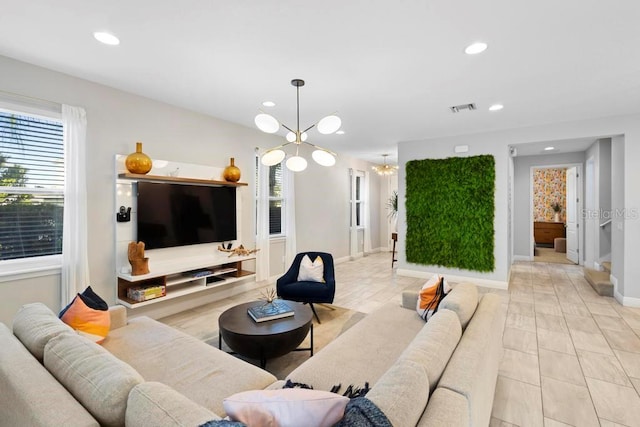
<point x="385" y="169"/>
<point x="269" y="124"/>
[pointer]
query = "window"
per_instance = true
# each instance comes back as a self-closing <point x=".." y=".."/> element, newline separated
<point x="357" y="197"/>
<point x="31" y="186"/>
<point x="276" y="198"/>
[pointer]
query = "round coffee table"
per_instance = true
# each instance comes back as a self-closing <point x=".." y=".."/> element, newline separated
<point x="265" y="340"/>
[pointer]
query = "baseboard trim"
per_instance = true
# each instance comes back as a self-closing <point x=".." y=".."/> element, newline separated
<point x="521" y="258"/>
<point x="341" y="260"/>
<point x="486" y="283"/>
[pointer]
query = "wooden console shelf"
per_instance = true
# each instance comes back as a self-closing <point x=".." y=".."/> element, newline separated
<point x="546" y="232"/>
<point x="184" y="278"/>
<point x="177" y="179"/>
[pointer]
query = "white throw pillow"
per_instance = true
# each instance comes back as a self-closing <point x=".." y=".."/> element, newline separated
<point x="311" y="271"/>
<point x="286" y="407"/>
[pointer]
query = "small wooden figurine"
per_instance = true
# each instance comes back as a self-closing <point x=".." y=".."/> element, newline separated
<point x="139" y="264"/>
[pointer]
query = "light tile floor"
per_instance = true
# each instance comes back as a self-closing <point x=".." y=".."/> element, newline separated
<point x="571" y="357"/>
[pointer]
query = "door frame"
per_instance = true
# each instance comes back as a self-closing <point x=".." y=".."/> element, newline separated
<point x="580" y="192"/>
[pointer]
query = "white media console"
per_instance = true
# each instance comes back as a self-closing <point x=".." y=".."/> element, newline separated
<point x="181" y="270"/>
<point x="185" y="276"/>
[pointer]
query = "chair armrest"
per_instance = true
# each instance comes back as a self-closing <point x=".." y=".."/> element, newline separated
<point x="118" y="316"/>
<point x="409" y="299"/>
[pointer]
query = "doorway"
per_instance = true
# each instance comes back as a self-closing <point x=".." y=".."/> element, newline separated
<point x="554" y="218"/>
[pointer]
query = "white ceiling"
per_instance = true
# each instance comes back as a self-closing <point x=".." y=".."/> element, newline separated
<point x="390" y="68"/>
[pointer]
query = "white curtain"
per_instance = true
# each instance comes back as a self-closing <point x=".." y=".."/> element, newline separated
<point x="289" y="217"/>
<point x="75" y="263"/>
<point x="367" y="214"/>
<point x="262" y="223"/>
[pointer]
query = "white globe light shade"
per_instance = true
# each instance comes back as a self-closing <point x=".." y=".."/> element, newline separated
<point x="304" y="136"/>
<point x="273" y="157"/>
<point x="329" y="124"/>
<point x="296" y="164"/>
<point x="291" y="137"/>
<point x="323" y="158"/>
<point x="267" y="123"/>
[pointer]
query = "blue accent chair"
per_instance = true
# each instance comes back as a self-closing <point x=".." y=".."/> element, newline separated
<point x="289" y="288"/>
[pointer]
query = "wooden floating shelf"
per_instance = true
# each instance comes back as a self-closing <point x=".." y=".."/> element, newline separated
<point x="177" y="179"/>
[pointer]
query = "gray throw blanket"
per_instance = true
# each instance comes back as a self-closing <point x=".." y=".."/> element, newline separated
<point x="361" y="412"/>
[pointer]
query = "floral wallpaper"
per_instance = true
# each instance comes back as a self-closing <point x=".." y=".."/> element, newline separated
<point x="549" y="186"/>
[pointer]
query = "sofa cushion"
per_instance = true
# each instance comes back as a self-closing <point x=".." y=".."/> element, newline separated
<point x="286" y="407"/>
<point x="402" y="392"/>
<point x="193" y="368"/>
<point x="434" y="344"/>
<point x="364" y="352"/>
<point x="94" y="376"/>
<point x="35" y="324"/>
<point x="445" y="408"/>
<point x="462" y="300"/>
<point x="153" y="404"/>
<point x="33" y="395"/>
<point x="473" y="368"/>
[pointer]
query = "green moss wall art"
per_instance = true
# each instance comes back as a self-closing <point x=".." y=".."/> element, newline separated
<point x="450" y="212"/>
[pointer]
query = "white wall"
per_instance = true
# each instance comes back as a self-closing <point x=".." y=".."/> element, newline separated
<point x="604" y="182"/>
<point x="617" y="205"/>
<point x="116" y="120"/>
<point x="497" y="143"/>
<point x="522" y="195"/>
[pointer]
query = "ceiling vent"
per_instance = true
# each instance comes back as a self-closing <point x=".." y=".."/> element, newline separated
<point x="458" y="108"/>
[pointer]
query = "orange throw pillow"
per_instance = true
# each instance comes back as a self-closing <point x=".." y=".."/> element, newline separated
<point x="430" y="295"/>
<point x="89" y="315"/>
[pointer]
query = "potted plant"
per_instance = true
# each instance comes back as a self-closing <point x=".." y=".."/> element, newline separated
<point x="556" y="211"/>
<point x="392" y="205"/>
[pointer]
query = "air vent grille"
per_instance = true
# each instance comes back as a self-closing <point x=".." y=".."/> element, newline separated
<point x="458" y="108"/>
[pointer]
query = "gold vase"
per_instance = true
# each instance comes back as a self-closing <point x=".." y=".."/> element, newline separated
<point x="232" y="172"/>
<point x="138" y="162"/>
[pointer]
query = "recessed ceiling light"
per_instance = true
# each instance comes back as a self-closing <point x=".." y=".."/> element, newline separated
<point x="496" y="107"/>
<point x="340" y="132"/>
<point x="106" y="38"/>
<point x="269" y="104"/>
<point x="549" y="148"/>
<point x="474" y="48"/>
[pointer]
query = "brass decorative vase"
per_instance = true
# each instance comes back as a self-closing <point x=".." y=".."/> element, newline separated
<point x="138" y="162"/>
<point x="232" y="172"/>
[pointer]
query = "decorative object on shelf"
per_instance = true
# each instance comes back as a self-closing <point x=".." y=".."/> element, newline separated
<point x="269" y="124"/>
<point x="124" y="214"/>
<point x="270" y="311"/>
<point x="269" y="295"/>
<point x="232" y="172"/>
<point x="138" y="162"/>
<point x="139" y="264"/>
<point x="145" y="293"/>
<point x="385" y="169"/>
<point x="556" y="211"/>
<point x="240" y="251"/>
<point x="174" y="173"/>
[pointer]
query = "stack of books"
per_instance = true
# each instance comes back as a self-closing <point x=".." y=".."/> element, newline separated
<point x="270" y="311"/>
<point x="140" y="294"/>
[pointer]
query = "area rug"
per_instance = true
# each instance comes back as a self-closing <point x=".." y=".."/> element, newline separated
<point x="335" y="321"/>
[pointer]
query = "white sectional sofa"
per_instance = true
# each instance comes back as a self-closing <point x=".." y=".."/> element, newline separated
<point x="148" y="374"/>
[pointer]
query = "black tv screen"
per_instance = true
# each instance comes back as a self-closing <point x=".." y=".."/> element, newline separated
<point x="178" y="215"/>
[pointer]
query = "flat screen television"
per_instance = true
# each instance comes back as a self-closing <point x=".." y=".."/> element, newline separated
<point x="178" y="215"/>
